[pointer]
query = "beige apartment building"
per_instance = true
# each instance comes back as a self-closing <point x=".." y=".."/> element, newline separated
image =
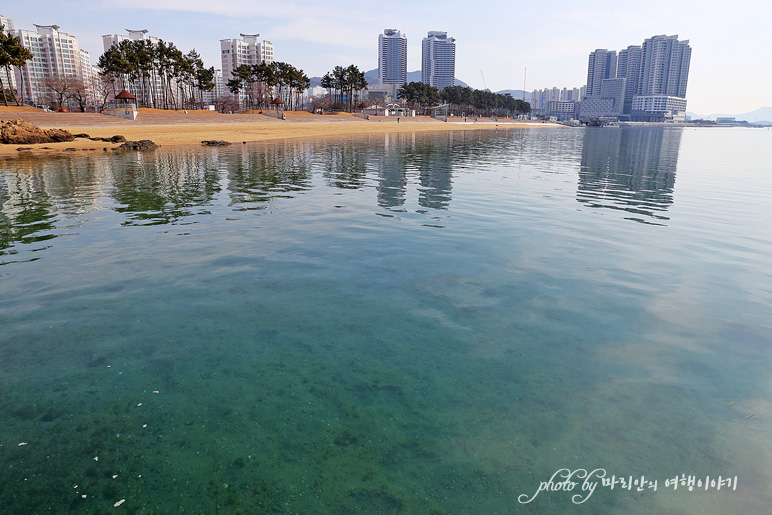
<point x="56" y="54"/>
<point x="247" y="50"/>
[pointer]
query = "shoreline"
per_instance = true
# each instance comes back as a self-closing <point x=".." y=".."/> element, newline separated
<point x="175" y="129"/>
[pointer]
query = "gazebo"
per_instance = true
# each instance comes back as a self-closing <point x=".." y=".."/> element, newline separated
<point x="362" y="106"/>
<point x="278" y="102"/>
<point x="125" y="106"/>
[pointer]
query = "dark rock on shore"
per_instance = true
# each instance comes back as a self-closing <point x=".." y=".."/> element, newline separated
<point x="144" y="144"/>
<point x="82" y="135"/>
<point x="115" y="139"/>
<point x="215" y="143"/>
<point x="19" y="132"/>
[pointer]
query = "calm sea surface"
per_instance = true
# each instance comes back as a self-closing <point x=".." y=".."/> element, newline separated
<point x="405" y="323"/>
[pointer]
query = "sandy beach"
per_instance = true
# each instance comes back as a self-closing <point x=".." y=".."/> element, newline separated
<point x="176" y="128"/>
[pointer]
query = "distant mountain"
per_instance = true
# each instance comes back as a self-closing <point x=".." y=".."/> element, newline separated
<point x="372" y="78"/>
<point x="759" y="115"/>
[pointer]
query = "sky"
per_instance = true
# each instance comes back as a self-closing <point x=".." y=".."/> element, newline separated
<point x="499" y="44"/>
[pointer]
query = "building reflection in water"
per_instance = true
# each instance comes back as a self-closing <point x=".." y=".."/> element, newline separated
<point x="630" y="170"/>
<point x="47" y="197"/>
<point x="42" y="198"/>
<point x="434" y="164"/>
<point x="256" y="177"/>
<point x="391" y="170"/>
<point x="163" y="187"/>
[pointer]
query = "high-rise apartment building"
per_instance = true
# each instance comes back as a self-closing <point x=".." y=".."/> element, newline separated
<point x="540" y="97"/>
<point x="247" y="50"/>
<point x="9" y="79"/>
<point x="7" y="24"/>
<point x="56" y="55"/>
<point x="392" y="57"/>
<point x="216" y="93"/>
<point x="151" y="91"/>
<point x="629" y="68"/>
<point x="644" y="83"/>
<point x="665" y="66"/>
<point x="133" y="35"/>
<point x="602" y="65"/>
<point x="661" y="91"/>
<point x="438" y="60"/>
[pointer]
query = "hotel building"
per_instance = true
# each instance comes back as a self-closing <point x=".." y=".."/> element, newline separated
<point x="392" y="58"/>
<point x="438" y="60"/>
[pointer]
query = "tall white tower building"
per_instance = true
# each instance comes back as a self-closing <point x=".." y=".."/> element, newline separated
<point x="392" y="57"/>
<point x="438" y="60"/>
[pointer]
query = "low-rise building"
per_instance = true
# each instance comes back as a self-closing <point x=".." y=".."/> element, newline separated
<point x="658" y="108"/>
<point x="562" y="110"/>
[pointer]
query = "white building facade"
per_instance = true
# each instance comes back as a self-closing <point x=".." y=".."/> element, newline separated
<point x="438" y="60"/>
<point x="211" y="97"/>
<point x="9" y="80"/>
<point x="56" y="55"/>
<point x="248" y="50"/>
<point x="541" y="98"/>
<point x="151" y="92"/>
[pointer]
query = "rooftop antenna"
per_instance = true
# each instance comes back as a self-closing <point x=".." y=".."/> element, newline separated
<point x="483" y="77"/>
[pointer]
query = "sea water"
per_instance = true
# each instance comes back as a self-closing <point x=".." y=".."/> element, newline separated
<point x="478" y="322"/>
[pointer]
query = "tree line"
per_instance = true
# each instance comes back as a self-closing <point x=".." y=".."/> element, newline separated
<point x="158" y="73"/>
<point x="341" y="83"/>
<point x="463" y="100"/>
<point x="12" y="53"/>
<point x="258" y="82"/>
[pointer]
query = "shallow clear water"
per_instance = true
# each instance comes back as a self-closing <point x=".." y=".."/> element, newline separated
<point x="427" y="323"/>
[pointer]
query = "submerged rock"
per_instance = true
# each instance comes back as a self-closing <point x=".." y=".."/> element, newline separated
<point x="19" y="132"/>
<point x="215" y="143"/>
<point x="143" y="144"/>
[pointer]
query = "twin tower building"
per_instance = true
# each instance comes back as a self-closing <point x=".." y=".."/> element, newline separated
<point x="438" y="59"/>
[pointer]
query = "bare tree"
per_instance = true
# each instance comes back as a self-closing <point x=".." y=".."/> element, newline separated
<point x="103" y="86"/>
<point x="226" y="104"/>
<point x="61" y="87"/>
<point x="81" y="94"/>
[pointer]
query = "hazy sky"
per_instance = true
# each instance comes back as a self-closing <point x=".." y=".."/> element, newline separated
<point x="731" y="71"/>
